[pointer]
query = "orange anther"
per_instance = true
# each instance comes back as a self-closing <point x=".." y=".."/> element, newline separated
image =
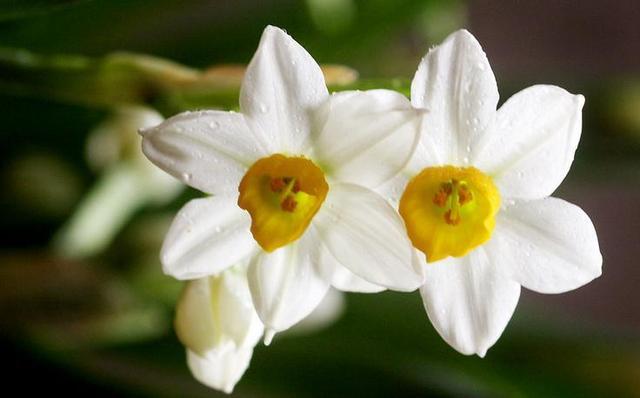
<point x="440" y="198"/>
<point x="296" y="186"/>
<point x="277" y="184"/>
<point x="464" y="195"/>
<point x="289" y="204"/>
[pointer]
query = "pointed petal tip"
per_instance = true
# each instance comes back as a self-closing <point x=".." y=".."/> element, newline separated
<point x="168" y="270"/>
<point x="469" y="350"/>
<point x="271" y="30"/>
<point x="144" y="131"/>
<point x="463" y="34"/>
<point x="268" y="336"/>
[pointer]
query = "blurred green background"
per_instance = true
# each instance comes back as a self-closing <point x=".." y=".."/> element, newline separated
<point x="98" y="320"/>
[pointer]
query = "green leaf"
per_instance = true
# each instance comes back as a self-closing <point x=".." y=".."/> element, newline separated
<point x="12" y="9"/>
<point x="118" y="78"/>
<point x="128" y="79"/>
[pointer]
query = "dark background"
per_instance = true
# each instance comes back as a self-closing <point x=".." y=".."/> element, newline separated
<point x="57" y="315"/>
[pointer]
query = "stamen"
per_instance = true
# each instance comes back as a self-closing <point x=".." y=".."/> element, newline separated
<point x="465" y="194"/>
<point x="289" y="204"/>
<point x="440" y="199"/>
<point x="452" y="195"/>
<point x="287" y="187"/>
<point x="277" y="184"/>
<point x="452" y="219"/>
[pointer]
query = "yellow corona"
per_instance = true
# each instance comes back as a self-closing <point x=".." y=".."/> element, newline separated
<point x="449" y="210"/>
<point x="282" y="194"/>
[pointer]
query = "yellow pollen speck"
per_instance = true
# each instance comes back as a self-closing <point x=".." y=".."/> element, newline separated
<point x="448" y="211"/>
<point x="282" y="194"/>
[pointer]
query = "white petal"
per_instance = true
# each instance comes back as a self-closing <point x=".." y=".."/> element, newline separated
<point x="220" y="369"/>
<point x="233" y="308"/>
<point x="326" y="313"/>
<point x="208" y="150"/>
<point x="367" y="236"/>
<point x="341" y="277"/>
<point x="469" y="301"/>
<point x="454" y="82"/>
<point x="548" y="245"/>
<point x="287" y="284"/>
<point x="368" y="136"/>
<point x="194" y="323"/>
<point x="207" y="236"/>
<point x="347" y="281"/>
<point x="393" y="189"/>
<point x="281" y="88"/>
<point x="216" y="311"/>
<point x="530" y="148"/>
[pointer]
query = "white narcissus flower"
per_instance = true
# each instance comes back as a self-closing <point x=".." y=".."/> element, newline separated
<point x="128" y="182"/>
<point x="475" y="195"/>
<point x="291" y="178"/>
<point x="216" y="321"/>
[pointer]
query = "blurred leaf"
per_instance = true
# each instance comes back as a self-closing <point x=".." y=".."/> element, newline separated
<point x="127" y="78"/>
<point x="102" y="212"/>
<point x="621" y="105"/>
<point x="10" y="9"/>
<point x="401" y="85"/>
<point x="332" y="16"/>
<point x="42" y="183"/>
<point x="385" y="346"/>
<point x="119" y="78"/>
<point x="63" y="305"/>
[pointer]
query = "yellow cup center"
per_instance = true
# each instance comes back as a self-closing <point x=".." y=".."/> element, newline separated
<point x="282" y="194"/>
<point x="448" y="211"/>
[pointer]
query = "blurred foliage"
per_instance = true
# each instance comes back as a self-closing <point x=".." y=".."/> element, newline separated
<point x="116" y="79"/>
<point x="126" y="78"/>
<point x="10" y="9"/>
<point x="384" y="346"/>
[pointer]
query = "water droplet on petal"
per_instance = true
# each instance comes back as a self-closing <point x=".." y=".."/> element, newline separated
<point x="186" y="177"/>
